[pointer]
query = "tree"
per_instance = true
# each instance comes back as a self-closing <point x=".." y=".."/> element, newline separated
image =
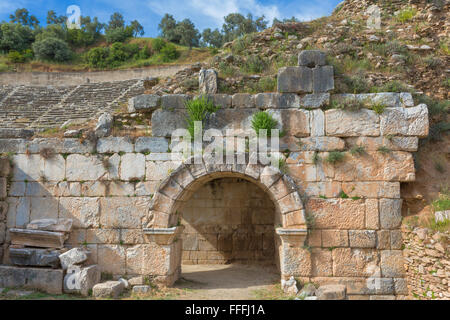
<point x="120" y="34"/>
<point x="52" y="49"/>
<point x="116" y="21"/>
<point x="52" y="31"/>
<point x="168" y="26"/>
<point x="285" y="20"/>
<point x="138" y="29"/>
<point x="189" y="35"/>
<point x="236" y="25"/>
<point x="22" y="16"/>
<point x="212" y="38"/>
<point x="52" y="18"/>
<point x="15" y="37"/>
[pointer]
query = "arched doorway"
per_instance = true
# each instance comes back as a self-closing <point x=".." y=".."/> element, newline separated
<point x="164" y="222"/>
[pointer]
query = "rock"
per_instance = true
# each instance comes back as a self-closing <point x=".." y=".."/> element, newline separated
<point x="421" y="233"/>
<point x="72" y="133"/>
<point x="243" y="100"/>
<point x="295" y="80"/>
<point x="208" y="81"/>
<point x="277" y="100"/>
<point x="150" y="82"/>
<point x="37" y="238"/>
<point x="174" y="101"/>
<point x="104" y="125"/>
<point x="278" y="35"/>
<point x="136" y="281"/>
<point x="308" y="290"/>
<point x="73" y="257"/>
<point x="289" y="286"/>
<point x="373" y="38"/>
<point x="405" y="121"/>
<point x="108" y="289"/>
<point x="19" y="293"/>
<point x="34" y="257"/>
<point x="144" y="103"/>
<point x="126" y="285"/>
<point x="61" y="225"/>
<point x="311" y="58"/>
<point x="331" y="292"/>
<point x="81" y="280"/>
<point x="141" y="289"/>
<point x="441" y="216"/>
<point x="43" y="279"/>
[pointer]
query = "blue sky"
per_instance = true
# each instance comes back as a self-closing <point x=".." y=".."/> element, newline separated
<point x="204" y="13"/>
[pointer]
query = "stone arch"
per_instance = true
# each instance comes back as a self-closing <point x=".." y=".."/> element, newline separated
<point x="179" y="186"/>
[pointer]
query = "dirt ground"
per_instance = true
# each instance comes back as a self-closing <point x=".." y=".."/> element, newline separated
<point x="226" y="282"/>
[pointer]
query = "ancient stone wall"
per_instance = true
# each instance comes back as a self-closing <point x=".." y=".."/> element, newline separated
<point x="4" y="174"/>
<point x="228" y="220"/>
<point x="427" y="263"/>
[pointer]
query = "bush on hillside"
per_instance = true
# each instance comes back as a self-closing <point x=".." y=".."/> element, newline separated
<point x="169" y="53"/>
<point x="97" y="57"/>
<point x="52" y="49"/>
<point x="120" y="34"/>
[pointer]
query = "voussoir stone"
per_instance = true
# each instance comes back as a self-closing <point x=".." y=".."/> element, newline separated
<point x="144" y="103"/>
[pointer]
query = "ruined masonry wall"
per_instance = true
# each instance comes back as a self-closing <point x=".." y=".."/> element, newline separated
<point x="4" y="173"/>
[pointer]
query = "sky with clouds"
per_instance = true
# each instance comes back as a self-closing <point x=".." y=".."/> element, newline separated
<point x="204" y="13"/>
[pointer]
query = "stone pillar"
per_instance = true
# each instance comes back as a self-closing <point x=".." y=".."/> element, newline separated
<point x="295" y="259"/>
<point x="162" y="256"/>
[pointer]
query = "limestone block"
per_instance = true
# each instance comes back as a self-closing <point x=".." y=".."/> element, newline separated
<point x="220" y="100"/>
<point x="331" y="292"/>
<point x="294" y="261"/>
<point x="123" y="212"/>
<point x="142" y="289"/>
<point x="321" y="262"/>
<point x="47" y="280"/>
<point x="387" y="99"/>
<point x="103" y="236"/>
<point x="323" y="79"/>
<point x="317" y="123"/>
<point x="396" y="240"/>
<point x="293" y="122"/>
<point x="104" y="125"/>
<point x="111" y="259"/>
<point x="72" y="257"/>
<point x="405" y="121"/>
<point x="311" y="58"/>
<point x="343" y="123"/>
<point x="3" y="190"/>
<point x="337" y="213"/>
<point x="277" y="100"/>
<point x="118" y="188"/>
<point x="349" y="262"/>
<point x="80" y="167"/>
<point x="5" y="166"/>
<point x="334" y="238"/>
<point x="165" y="122"/>
<point x="131" y="236"/>
<point x="173" y="101"/>
<point x="158" y="170"/>
<point x="362" y="238"/>
<point x="43" y="208"/>
<point x="146" y="188"/>
<point x="295" y="80"/>
<point x="372" y="214"/>
<point x="243" y="100"/>
<point x="303" y="172"/>
<point x="394" y="143"/>
<point x="114" y="145"/>
<point x="18" y="212"/>
<point x="109" y="289"/>
<point x="40" y="189"/>
<point x="372" y="189"/>
<point x="17" y="189"/>
<point x="392" y="264"/>
<point x="329" y="189"/>
<point x="151" y="144"/>
<point x="62" y="225"/>
<point x="390" y="213"/>
<point x="383" y="239"/>
<point x="76" y="146"/>
<point x="315" y="100"/>
<point x="34" y="257"/>
<point x="207" y="81"/>
<point x="37" y="238"/>
<point x="29" y="167"/>
<point x="85" y="212"/>
<point x="401" y="286"/>
<point x="132" y="166"/>
<point x="406" y="99"/>
<point x="81" y="280"/>
<point x="54" y="168"/>
<point x="321" y="144"/>
<point x="144" y="103"/>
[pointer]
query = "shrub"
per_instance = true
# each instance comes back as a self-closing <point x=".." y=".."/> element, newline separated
<point x="52" y="49"/>
<point x="254" y="64"/>
<point x="119" y="34"/>
<point x="357" y="150"/>
<point x="378" y="108"/>
<point x="169" y="53"/>
<point x="343" y="195"/>
<point x="384" y="150"/>
<point x="17" y="57"/>
<point x="198" y="109"/>
<point x="442" y="204"/>
<point x="335" y="157"/>
<point x="262" y="120"/>
<point x="97" y="57"/>
<point x="406" y="14"/>
<point x="158" y="44"/>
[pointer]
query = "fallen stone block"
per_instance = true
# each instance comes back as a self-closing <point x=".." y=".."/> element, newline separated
<point x="34" y="257"/>
<point x="331" y="292"/>
<point x="208" y="81"/>
<point x="289" y="286"/>
<point x="136" y="281"/>
<point x="57" y="225"/>
<point x="81" y="280"/>
<point x="47" y="280"/>
<point x="141" y="289"/>
<point x="73" y="257"/>
<point x="104" y="125"/>
<point x="144" y="103"/>
<point x="37" y="238"/>
<point x="108" y="289"/>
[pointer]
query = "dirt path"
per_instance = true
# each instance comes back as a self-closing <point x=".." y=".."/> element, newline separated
<point x="225" y="282"/>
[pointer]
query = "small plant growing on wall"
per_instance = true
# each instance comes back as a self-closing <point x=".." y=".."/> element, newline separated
<point x="335" y="157"/>
<point x="384" y="150"/>
<point x="198" y="109"/>
<point x="378" y="108"/>
<point x="357" y="150"/>
<point x="262" y="120"/>
<point x="47" y="153"/>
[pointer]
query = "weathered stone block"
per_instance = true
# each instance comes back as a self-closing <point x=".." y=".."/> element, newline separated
<point x="220" y="100"/>
<point x="151" y="144"/>
<point x="47" y="280"/>
<point x="81" y="280"/>
<point x="85" y="212"/>
<point x="34" y="257"/>
<point x="334" y="238"/>
<point x="315" y="100"/>
<point x="123" y="212"/>
<point x="73" y="257"/>
<point x="321" y="262"/>
<point x="323" y="79"/>
<point x="295" y="80"/>
<point x="80" y="167"/>
<point x="331" y="292"/>
<point x="165" y="122"/>
<point x="348" y="262"/>
<point x="392" y="264"/>
<point x="37" y="238"/>
<point x="394" y="143"/>
<point x="405" y="121"/>
<point x="337" y="213"/>
<point x="207" y="81"/>
<point x="311" y="58"/>
<point x="108" y="289"/>
<point x="114" y="145"/>
<point x="132" y="166"/>
<point x="390" y="213"/>
<point x="144" y="103"/>
<point x="61" y="225"/>
<point x="243" y="100"/>
<point x="342" y="123"/>
<point x="277" y="100"/>
<point x="362" y="238"/>
<point x="372" y="189"/>
<point x="174" y="101"/>
<point x="321" y="144"/>
<point x="111" y="259"/>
